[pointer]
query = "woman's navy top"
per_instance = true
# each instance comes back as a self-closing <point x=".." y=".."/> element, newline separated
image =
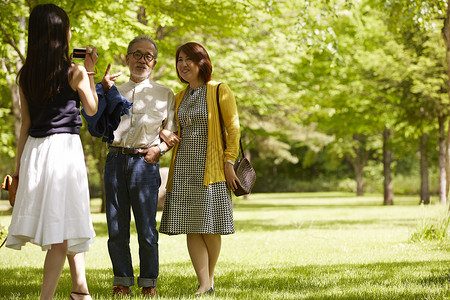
<point x="60" y="115"/>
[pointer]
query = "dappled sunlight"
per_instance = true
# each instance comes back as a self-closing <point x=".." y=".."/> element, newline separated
<point x="361" y="281"/>
<point x="284" y="248"/>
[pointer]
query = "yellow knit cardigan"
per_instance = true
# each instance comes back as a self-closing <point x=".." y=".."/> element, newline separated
<point x="216" y="156"/>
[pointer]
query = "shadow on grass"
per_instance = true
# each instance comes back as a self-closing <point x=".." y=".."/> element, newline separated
<point x="409" y="280"/>
<point x="251" y="206"/>
<point x="291" y="201"/>
<point x="258" y="225"/>
<point x="305" y="195"/>
<point x="405" y="280"/>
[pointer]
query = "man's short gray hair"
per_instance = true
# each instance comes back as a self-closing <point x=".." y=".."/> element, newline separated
<point x="142" y="38"/>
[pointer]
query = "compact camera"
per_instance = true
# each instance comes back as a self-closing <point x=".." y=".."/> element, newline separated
<point x="79" y="53"/>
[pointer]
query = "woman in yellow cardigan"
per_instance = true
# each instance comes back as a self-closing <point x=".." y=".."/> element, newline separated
<point x="198" y="200"/>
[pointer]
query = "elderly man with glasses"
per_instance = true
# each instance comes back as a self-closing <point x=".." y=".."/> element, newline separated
<point x="132" y="176"/>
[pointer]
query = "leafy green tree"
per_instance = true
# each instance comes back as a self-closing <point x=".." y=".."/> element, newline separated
<point x="414" y="23"/>
<point x="349" y="98"/>
<point x="324" y="88"/>
<point x="110" y="26"/>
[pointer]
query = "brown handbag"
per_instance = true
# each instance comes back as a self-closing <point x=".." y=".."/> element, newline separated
<point x="242" y="167"/>
<point x="246" y="174"/>
<point x="10" y="184"/>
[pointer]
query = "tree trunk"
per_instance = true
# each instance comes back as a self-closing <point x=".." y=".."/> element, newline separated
<point x="388" y="198"/>
<point x="446" y="35"/>
<point x="424" y="186"/>
<point x="15" y="106"/>
<point x="142" y="16"/>
<point x="14" y="88"/>
<point x="100" y="170"/>
<point x="442" y="162"/>
<point x="98" y="152"/>
<point x="359" y="163"/>
<point x="447" y="162"/>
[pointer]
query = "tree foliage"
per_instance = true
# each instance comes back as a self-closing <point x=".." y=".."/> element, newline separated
<point x="316" y="82"/>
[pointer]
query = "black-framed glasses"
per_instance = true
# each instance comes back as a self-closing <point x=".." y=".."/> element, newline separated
<point x="138" y="55"/>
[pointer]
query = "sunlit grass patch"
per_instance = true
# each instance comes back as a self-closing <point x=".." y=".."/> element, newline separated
<point x="286" y="246"/>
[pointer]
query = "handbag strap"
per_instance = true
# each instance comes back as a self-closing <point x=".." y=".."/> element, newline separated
<point x="240" y="147"/>
<point x="221" y="121"/>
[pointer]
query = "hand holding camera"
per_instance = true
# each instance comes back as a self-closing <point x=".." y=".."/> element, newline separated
<point x="79" y="53"/>
<point x="89" y="54"/>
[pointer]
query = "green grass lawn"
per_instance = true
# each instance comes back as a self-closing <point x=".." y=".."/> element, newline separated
<point x="286" y="246"/>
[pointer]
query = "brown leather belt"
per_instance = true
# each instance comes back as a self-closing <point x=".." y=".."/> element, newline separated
<point x="122" y="150"/>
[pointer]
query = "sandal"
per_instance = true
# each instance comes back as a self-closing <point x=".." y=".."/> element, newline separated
<point x="78" y="293"/>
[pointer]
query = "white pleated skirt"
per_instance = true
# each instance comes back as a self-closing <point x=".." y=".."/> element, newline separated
<point x="52" y="200"/>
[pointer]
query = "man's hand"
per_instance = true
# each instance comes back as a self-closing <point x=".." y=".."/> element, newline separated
<point x="152" y="154"/>
<point x="108" y="80"/>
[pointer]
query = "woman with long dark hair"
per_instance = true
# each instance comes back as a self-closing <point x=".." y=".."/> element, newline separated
<point x="52" y="201"/>
<point x="198" y="199"/>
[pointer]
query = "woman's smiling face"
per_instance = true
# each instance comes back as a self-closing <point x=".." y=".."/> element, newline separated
<point x="187" y="68"/>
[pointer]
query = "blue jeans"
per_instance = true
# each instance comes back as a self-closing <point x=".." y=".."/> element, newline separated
<point x="130" y="182"/>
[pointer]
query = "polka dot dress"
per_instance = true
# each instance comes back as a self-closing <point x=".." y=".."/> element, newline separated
<point x="191" y="207"/>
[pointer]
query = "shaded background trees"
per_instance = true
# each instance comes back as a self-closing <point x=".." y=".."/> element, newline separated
<point x="333" y="95"/>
